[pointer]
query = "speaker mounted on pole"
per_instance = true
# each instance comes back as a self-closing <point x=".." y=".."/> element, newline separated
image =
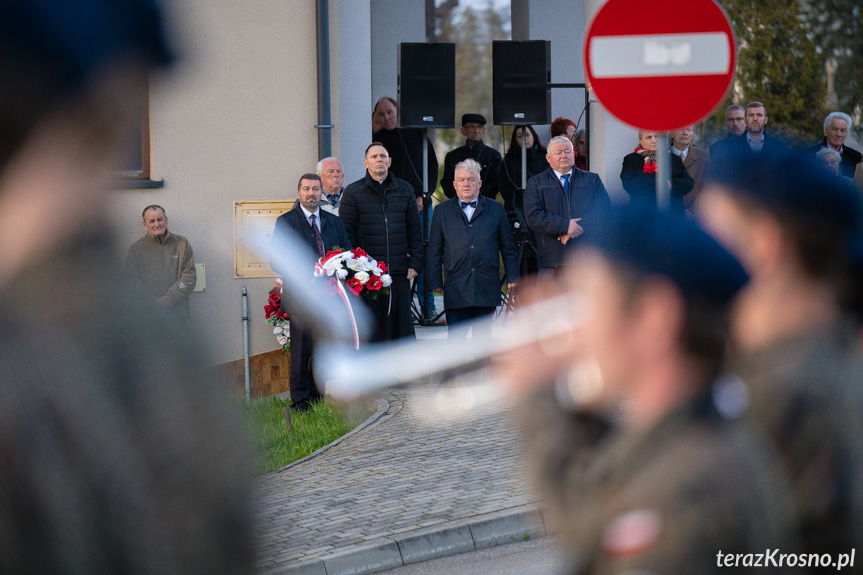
<point x="426" y="85"/>
<point x="521" y="74"/>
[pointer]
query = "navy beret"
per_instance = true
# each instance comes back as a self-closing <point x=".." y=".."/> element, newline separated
<point x="651" y="242"/>
<point x="792" y="184"/>
<point x="68" y="41"/>
<point x="478" y="118"/>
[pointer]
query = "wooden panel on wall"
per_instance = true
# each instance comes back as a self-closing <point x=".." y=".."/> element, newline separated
<point x="269" y="374"/>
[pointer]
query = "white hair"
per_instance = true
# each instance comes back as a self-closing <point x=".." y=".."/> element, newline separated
<point x="824" y="153"/>
<point x="471" y="166"/>
<point x="559" y="140"/>
<point x="834" y="115"/>
<point x="319" y="168"/>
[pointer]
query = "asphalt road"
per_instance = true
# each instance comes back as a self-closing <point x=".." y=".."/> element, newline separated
<point x="537" y="557"/>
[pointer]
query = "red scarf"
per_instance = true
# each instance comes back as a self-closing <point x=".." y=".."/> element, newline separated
<point x="649" y="160"/>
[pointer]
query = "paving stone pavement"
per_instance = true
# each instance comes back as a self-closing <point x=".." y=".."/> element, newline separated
<point x="406" y="488"/>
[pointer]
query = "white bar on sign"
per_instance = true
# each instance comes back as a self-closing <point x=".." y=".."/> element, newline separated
<point x="650" y="55"/>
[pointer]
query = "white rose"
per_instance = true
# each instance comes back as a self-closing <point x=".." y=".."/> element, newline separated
<point x="342" y="274"/>
<point x="386" y="280"/>
<point x="362" y="276"/>
<point x="277" y="330"/>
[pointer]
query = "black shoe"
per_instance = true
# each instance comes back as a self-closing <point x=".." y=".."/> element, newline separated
<point x="300" y="407"/>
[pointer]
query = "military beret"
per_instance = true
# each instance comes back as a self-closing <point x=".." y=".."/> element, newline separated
<point x="651" y="242"/>
<point x="792" y="184"/>
<point x="70" y="41"/>
<point x="478" y="118"/>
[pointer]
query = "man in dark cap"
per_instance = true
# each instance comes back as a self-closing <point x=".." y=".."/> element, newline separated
<point x="644" y="468"/>
<point x="117" y="452"/>
<point x="792" y="224"/>
<point x="473" y="129"/>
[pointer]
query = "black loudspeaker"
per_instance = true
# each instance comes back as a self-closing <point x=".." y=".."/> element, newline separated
<point x="527" y="63"/>
<point x="426" y="85"/>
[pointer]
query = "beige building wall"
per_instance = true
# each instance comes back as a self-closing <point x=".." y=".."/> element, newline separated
<point x="233" y="121"/>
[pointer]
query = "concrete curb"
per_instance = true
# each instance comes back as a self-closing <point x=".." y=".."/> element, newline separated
<point x="500" y="528"/>
<point x="385" y="408"/>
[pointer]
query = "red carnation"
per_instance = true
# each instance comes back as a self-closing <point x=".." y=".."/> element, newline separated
<point x="374" y="283"/>
<point x="355" y="286"/>
<point x="359" y="252"/>
<point x="330" y="255"/>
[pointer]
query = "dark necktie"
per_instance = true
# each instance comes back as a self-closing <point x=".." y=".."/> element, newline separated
<point x="319" y="241"/>
<point x="566" y="182"/>
<point x="466" y="204"/>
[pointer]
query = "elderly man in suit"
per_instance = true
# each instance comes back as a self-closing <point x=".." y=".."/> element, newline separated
<point x="322" y="232"/>
<point x="468" y="233"/>
<point x="696" y="161"/>
<point x="836" y="126"/>
<point x="561" y="204"/>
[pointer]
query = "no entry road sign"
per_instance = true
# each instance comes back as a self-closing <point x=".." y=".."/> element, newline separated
<point x="660" y="65"/>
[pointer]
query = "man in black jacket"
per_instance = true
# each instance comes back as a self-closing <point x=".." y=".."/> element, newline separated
<point x="381" y="217"/>
<point x="754" y="142"/>
<point x="473" y="129"/>
<point x="321" y="231"/>
<point x="468" y="234"/>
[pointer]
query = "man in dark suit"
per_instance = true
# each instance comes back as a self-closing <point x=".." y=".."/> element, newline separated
<point x="322" y="232"/>
<point x="753" y="142"/>
<point x="469" y="233"/>
<point x="473" y="129"/>
<point x="836" y="126"/>
<point x="561" y="204"/>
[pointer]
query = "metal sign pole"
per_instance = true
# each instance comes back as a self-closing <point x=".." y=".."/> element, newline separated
<point x="663" y="173"/>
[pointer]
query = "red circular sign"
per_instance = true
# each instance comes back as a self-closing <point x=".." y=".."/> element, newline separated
<point x="660" y="65"/>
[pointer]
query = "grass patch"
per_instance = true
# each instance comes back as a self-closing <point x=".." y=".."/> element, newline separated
<point x="276" y="446"/>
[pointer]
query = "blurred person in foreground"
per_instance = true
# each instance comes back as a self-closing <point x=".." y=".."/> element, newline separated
<point x="116" y="454"/>
<point x="794" y="226"/>
<point x="644" y="466"/>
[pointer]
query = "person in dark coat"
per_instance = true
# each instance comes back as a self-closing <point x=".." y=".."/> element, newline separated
<point x="473" y="129"/>
<point x="561" y="204"/>
<point x="836" y="126"/>
<point x="321" y="237"/>
<point x="509" y="177"/>
<point x="638" y="174"/>
<point x="405" y="148"/>
<point x="381" y="217"/>
<point x="469" y="234"/>
<point x="753" y="143"/>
